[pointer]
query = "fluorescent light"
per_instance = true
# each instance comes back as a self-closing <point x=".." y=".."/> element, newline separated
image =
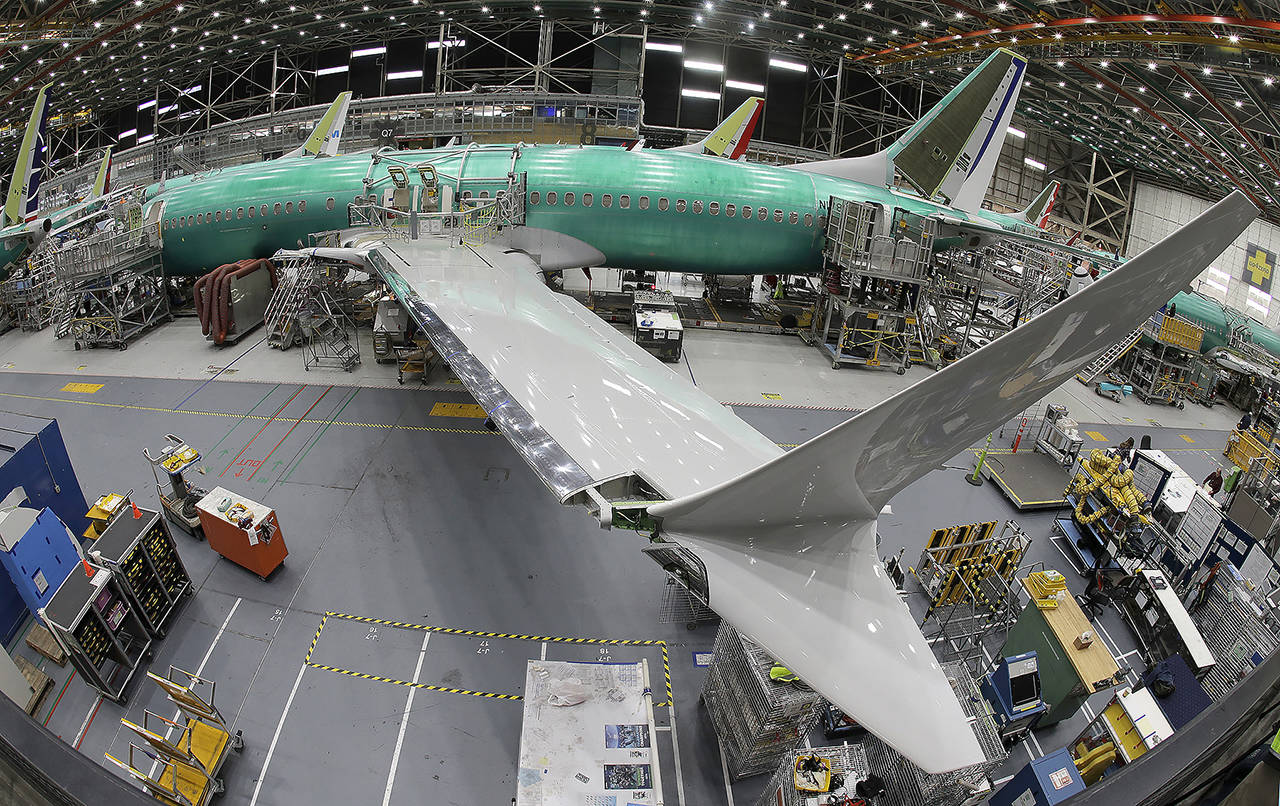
<point x="146" y="104"/>
<point x="1253" y="304"/>
<point x="146" y="138"/>
<point x="1217" y="285"/>
<point x="1219" y="273"/>
<point x="164" y="110"/>
<point x="688" y="93"/>
<point x="744" y="85"/>
<point x="783" y="64"/>
<point x="1016" y="132"/>
<point x="1037" y="164"/>
<point x="192" y="90"/>
<point x="448" y="43"/>
<point x="706" y="67"/>
<point x="355" y="54"/>
<point x="328" y="71"/>
<point x="129" y="133"/>
<point x="404" y="74"/>
<point x="1254" y="292"/>
<point x="669" y="47"/>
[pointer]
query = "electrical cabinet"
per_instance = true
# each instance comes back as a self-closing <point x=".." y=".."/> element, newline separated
<point x="245" y="532"/>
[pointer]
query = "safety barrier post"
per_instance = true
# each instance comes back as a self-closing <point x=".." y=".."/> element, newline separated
<point x="976" y="478"/>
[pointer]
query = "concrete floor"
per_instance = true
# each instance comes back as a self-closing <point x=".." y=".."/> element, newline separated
<point x="398" y="516"/>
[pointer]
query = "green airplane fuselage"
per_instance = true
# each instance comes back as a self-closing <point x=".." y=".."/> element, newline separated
<point x="658" y="214"/>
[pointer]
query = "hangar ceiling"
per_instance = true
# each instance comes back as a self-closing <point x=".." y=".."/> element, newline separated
<point x="1180" y="90"/>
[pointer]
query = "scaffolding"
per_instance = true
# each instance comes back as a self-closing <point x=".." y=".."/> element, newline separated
<point x="31" y="295"/>
<point x="874" y="271"/>
<point x="1159" y="367"/>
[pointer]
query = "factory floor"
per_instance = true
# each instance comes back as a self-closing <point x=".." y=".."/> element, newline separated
<point x="396" y="519"/>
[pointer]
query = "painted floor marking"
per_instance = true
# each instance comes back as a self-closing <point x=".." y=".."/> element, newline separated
<point x="771" y="395"/>
<point x="404" y="723"/>
<point x="307" y="662"/>
<point x="458" y="410"/>
<point x="82" y="388"/>
<point x="1188" y="439"/>
<point x="271" y="750"/>
<point x="1096" y="436"/>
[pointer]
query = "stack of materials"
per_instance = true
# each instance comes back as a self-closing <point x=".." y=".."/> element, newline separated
<point x="848" y="767"/>
<point x="757" y="718"/>
<point x="1045" y="587"/>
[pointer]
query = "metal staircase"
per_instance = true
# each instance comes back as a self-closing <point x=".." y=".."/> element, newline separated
<point x="1112" y="354"/>
<point x="327" y="334"/>
<point x="294" y="278"/>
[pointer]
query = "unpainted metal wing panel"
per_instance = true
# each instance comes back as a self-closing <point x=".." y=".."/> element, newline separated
<point x="609" y="406"/>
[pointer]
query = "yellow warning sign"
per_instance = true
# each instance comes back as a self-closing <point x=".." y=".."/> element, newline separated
<point x="1188" y="439"/>
<point x="1096" y="436"/>
<point x="771" y="396"/>
<point x="83" y="388"/>
<point x="457" y="410"/>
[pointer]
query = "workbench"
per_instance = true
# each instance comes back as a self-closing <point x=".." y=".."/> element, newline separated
<point x="1068" y="675"/>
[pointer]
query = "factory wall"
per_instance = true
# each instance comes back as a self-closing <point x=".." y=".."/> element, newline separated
<point x="1158" y="211"/>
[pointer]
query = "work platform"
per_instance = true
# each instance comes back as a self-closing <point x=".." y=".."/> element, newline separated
<point x="1029" y="479"/>
<point x="615" y="307"/>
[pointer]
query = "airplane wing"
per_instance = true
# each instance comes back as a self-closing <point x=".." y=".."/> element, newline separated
<point x="954" y="225"/>
<point x="787" y="539"/>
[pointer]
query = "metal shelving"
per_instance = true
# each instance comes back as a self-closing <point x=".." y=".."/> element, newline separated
<point x="142" y="554"/>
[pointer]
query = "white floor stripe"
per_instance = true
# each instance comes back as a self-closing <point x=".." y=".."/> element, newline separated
<point x="271" y="750"/>
<point x="1054" y="540"/>
<point x="404" y="721"/>
<point x="724" y="768"/>
<point x="85" y="724"/>
<point x="1036" y="742"/>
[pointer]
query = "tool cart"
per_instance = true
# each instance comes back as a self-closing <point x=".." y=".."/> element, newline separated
<point x="142" y="555"/>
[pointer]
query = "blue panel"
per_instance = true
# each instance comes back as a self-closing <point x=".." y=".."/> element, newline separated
<point x="41" y="560"/>
<point x="33" y="456"/>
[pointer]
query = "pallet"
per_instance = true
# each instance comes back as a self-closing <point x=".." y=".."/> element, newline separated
<point x="38" y="680"/>
<point x="41" y="640"/>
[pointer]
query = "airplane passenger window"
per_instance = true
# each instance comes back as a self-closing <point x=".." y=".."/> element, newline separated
<point x="228" y="215"/>
<point x="328" y="203"/>
<point x="746" y="211"/>
<point x="680" y="205"/>
<point x="568" y="198"/>
<point x="534" y="197"/>
<point x="644" y="202"/>
<point x="262" y="211"/>
<point x="663" y="204"/>
<point x="484" y="194"/>
<point x="624" y="201"/>
<point x="218" y="216"/>
<point x="762" y="214"/>
<point x="697" y="207"/>
<point x="794" y="217"/>
<point x="239" y="212"/>
<point x="275" y="210"/>
<point x="822" y="222"/>
<point x="808" y="219"/>
<point x="777" y="216"/>
<point x="730" y="210"/>
<point x="586" y="199"/>
<point x="606" y="200"/>
<point x="199" y="218"/>
<point x="551" y="197"/>
<point x="714" y="208"/>
<point x="288" y="208"/>
<point x="253" y="211"/>
<point x="466" y="194"/>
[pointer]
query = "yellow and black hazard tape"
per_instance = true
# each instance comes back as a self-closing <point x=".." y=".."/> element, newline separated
<point x="424" y="686"/>
<point x="554" y="639"/>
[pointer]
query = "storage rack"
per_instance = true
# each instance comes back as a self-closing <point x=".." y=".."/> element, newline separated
<point x="99" y="630"/>
<point x="679" y="606"/>
<point x="1236" y="630"/>
<point x="757" y="720"/>
<point x="847" y="760"/>
<point x="145" y="561"/>
<point x="1159" y="366"/>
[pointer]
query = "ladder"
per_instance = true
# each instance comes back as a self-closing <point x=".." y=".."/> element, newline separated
<point x="1112" y="354"/>
<point x="281" y="317"/>
<point x="327" y="334"/>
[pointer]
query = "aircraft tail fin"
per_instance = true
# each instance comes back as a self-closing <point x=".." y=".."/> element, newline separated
<point x="324" y="140"/>
<point x="731" y="138"/>
<point x="804" y="524"/>
<point x="1037" y="212"/>
<point x="102" y="182"/>
<point x="951" y="152"/>
<point x="23" y="200"/>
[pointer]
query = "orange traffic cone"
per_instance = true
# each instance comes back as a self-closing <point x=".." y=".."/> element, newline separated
<point x="88" y="569"/>
<point x="137" y="513"/>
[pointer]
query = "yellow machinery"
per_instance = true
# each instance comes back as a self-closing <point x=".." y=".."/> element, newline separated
<point x="1045" y="586"/>
<point x="1104" y="487"/>
<point x="1245" y="446"/>
<point x="960" y="563"/>
<point x="103" y="511"/>
<point x="189" y="749"/>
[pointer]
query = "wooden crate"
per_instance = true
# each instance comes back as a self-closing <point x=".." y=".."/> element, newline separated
<point x="38" y="680"/>
<point x="41" y="640"/>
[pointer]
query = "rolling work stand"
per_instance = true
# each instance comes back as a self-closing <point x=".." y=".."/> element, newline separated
<point x="179" y="501"/>
<point x="144" y="560"/>
<point x="245" y="532"/>
<point x="99" y="629"/>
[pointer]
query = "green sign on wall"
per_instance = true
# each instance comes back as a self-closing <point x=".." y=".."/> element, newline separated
<point x="1259" y="265"/>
